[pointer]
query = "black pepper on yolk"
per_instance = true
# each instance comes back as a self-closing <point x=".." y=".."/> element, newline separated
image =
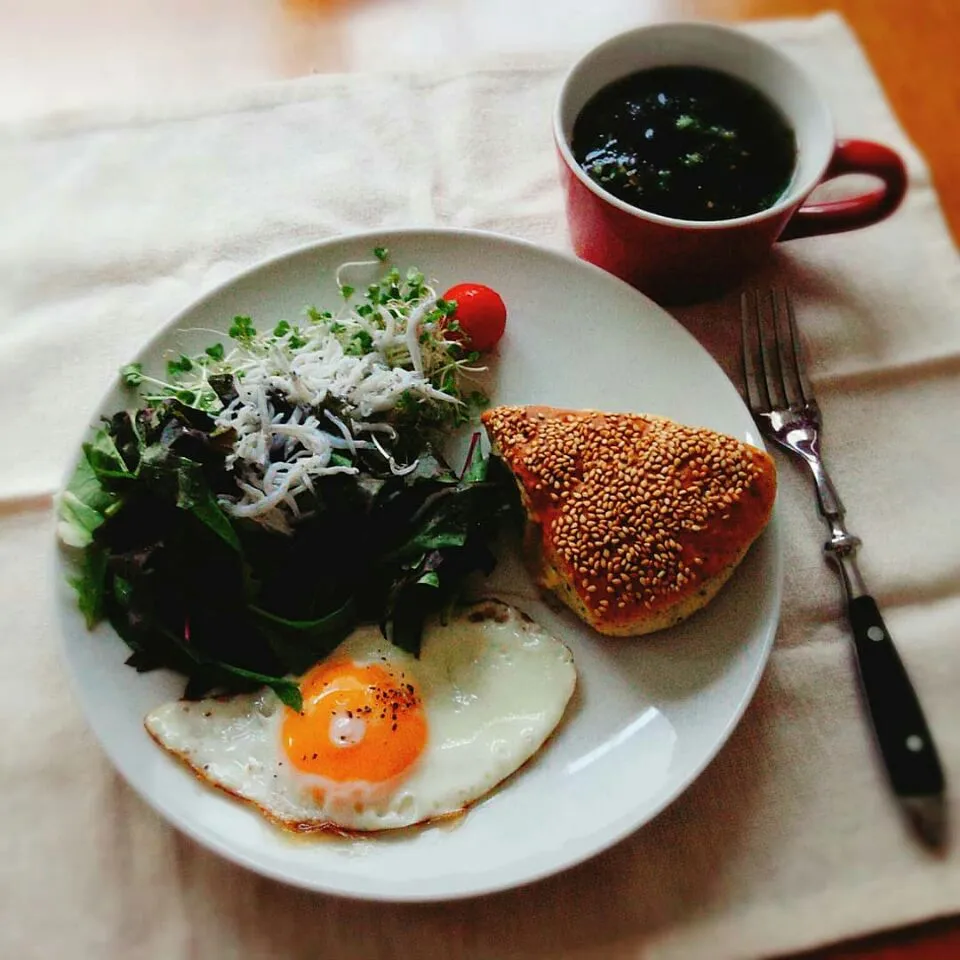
<point x="359" y="723"/>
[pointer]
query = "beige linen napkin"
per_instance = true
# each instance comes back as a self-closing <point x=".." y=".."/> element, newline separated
<point x="790" y="839"/>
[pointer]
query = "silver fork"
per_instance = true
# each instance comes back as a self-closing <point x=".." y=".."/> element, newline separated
<point x="782" y="402"/>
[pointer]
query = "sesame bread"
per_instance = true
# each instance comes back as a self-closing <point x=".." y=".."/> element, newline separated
<point x="635" y="522"/>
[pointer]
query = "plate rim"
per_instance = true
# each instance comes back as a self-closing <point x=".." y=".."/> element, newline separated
<point x="773" y="533"/>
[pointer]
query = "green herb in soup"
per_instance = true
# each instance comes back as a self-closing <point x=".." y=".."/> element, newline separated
<point x="686" y="142"/>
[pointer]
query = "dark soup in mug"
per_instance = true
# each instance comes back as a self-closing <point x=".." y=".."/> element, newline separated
<point x="686" y="142"/>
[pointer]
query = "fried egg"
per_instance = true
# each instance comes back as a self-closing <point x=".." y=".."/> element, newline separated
<point x="384" y="739"/>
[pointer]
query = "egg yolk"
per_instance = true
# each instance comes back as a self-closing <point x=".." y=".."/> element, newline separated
<point x="359" y="722"/>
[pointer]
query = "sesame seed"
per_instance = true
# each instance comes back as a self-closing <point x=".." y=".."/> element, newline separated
<point x="624" y="501"/>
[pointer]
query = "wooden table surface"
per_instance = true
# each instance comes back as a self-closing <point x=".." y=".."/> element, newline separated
<point x="64" y="54"/>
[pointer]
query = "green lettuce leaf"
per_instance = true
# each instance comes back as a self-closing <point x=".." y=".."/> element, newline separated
<point x="84" y="505"/>
<point x="286" y="690"/>
<point x="90" y="583"/>
<point x="104" y="458"/>
<point x="299" y="644"/>
<point x="194" y="495"/>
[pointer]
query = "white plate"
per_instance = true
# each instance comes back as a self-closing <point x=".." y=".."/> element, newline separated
<point x="648" y="715"/>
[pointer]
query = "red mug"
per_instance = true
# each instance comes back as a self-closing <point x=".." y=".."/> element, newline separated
<point x="678" y="261"/>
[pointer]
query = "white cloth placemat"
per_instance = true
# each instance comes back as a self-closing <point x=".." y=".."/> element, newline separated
<point x="790" y="839"/>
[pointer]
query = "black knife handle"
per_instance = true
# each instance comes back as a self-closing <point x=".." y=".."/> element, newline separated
<point x="901" y="730"/>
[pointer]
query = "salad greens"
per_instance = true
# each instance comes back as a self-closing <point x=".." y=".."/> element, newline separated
<point x="279" y="488"/>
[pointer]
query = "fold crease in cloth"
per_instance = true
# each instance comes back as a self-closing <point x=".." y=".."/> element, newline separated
<point x="26" y="502"/>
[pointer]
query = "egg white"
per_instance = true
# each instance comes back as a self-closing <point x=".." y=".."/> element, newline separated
<point x="493" y="684"/>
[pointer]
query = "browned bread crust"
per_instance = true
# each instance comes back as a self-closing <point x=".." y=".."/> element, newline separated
<point x="634" y="521"/>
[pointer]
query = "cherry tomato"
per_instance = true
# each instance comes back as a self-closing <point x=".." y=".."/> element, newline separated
<point x="481" y="314"/>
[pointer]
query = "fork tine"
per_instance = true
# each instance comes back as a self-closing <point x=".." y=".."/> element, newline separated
<point x="769" y="357"/>
<point x="784" y="329"/>
<point x="750" y="336"/>
<point x="806" y="388"/>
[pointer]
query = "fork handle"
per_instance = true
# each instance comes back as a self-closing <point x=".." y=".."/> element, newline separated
<point x="900" y="727"/>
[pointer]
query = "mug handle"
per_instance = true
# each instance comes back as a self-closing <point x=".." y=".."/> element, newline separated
<point x="836" y="216"/>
